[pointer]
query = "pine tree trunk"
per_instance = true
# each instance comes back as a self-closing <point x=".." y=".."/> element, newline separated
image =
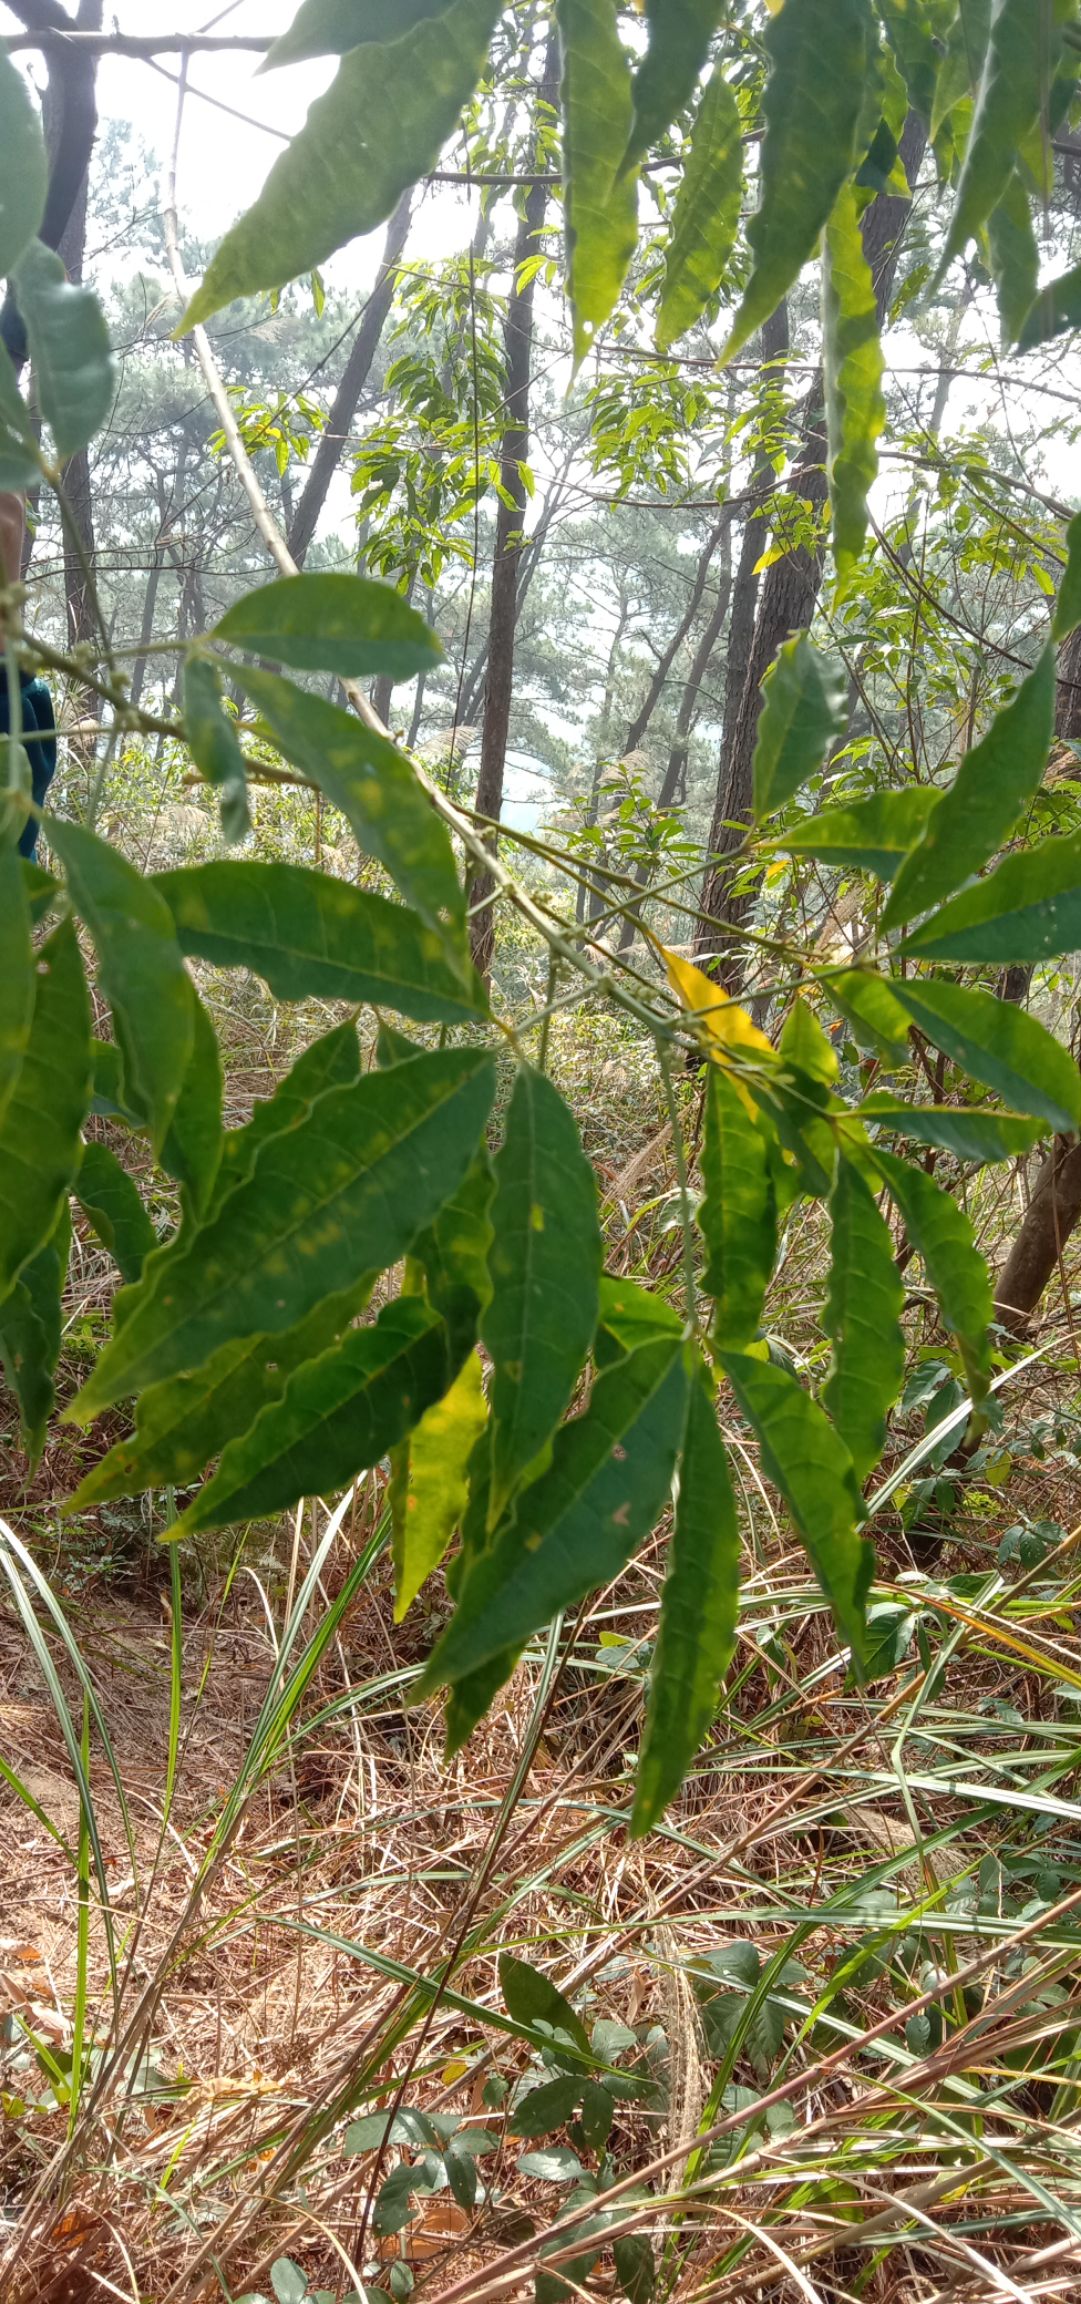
<point x="509" y="536"/>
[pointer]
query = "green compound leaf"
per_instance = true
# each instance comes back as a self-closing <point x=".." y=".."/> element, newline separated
<point x="142" y="970"/>
<point x="705" y="221"/>
<point x="967" y="1131"/>
<point x="873" y="835"/>
<point x="875" y="1019"/>
<point x="943" y="1238"/>
<point x="453" y="1253"/>
<point x="668" y="75"/>
<point x="1015" y="257"/>
<point x="185" y="1421"/>
<point x="356" y="154"/>
<point x="342" y="1193"/>
<point x="804" y="707"/>
<point x="808" y="1462"/>
<point x="533" y="1999"/>
<point x="435" y="1482"/>
<point x="1057" y="307"/>
<point x="1021" y="55"/>
<point x="545" y="1266"/>
<point x="699" y="1608"/>
<point x="1068" y="605"/>
<point x="312" y="937"/>
<point x="854" y="367"/>
<point x="374" y="786"/>
<point x="193" y="1147"/>
<point x="16" y="973"/>
<point x="330" y="27"/>
<point x="215" y="746"/>
<point x="333" y="623"/>
<point x="40" y="1134"/>
<point x="820" y="53"/>
<point x="31" y="1328"/>
<point x="994" y="1041"/>
<point x="24" y="169"/>
<point x="990" y="791"/>
<point x="911" y="31"/>
<point x="863" y="1321"/>
<point x="738" y="1215"/>
<point x="337" y="1416"/>
<point x="1027" y="910"/>
<point x="111" y="1202"/>
<point x="69" y="346"/>
<point x="630" y="1316"/>
<point x="577" y="1525"/>
<point x="330" y="1062"/>
<point x="601" y="192"/>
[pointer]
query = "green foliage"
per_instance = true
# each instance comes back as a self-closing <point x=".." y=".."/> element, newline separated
<point x="942" y="1235"/>
<point x="819" y="52"/>
<point x="1021" y="53"/>
<point x="69" y="345"/>
<point x="16" y="974"/>
<point x="862" y="1320"/>
<point x="330" y="27"/>
<point x="706" y="217"/>
<point x="996" y="1042"/>
<point x="434" y="1482"/>
<point x="245" y="1335"/>
<point x="338" y="1415"/>
<point x="1068" y="605"/>
<point x="332" y="623"/>
<point x="699" y="1608"/>
<point x="911" y="32"/>
<point x="330" y="184"/>
<point x="26" y="170"/>
<point x="737" y="1216"/>
<point x="112" y="1203"/>
<point x="806" y="1459"/>
<point x="853" y="363"/>
<point x="668" y="75"/>
<point x="343" y="1192"/>
<point x="215" y="745"/>
<point x="545" y="1266"/>
<point x="40" y="1140"/>
<point x="311" y="937"/>
<point x="1028" y="909"/>
<point x="873" y="835"/>
<point x="803" y="712"/>
<point x="578" y="1524"/>
<point x="142" y="970"/>
<point x="372" y="783"/>
<point x="31" y="1321"/>
<point x="993" y="785"/>
<point x="602" y="188"/>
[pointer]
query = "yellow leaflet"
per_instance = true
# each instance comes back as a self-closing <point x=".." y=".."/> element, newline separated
<point x="728" y="1025"/>
<point x="432" y="1504"/>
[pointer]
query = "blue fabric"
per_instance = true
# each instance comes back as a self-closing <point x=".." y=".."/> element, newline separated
<point x="39" y="738"/>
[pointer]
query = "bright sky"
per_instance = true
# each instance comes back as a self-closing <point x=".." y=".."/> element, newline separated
<point x="224" y="160"/>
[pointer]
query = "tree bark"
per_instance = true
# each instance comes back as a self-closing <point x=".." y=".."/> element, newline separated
<point x="509" y="539"/>
<point x="355" y="375"/>
<point x="787" y="602"/>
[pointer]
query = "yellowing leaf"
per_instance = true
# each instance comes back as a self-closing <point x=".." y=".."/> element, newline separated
<point x="728" y="1025"/>
<point x="437" y="1487"/>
